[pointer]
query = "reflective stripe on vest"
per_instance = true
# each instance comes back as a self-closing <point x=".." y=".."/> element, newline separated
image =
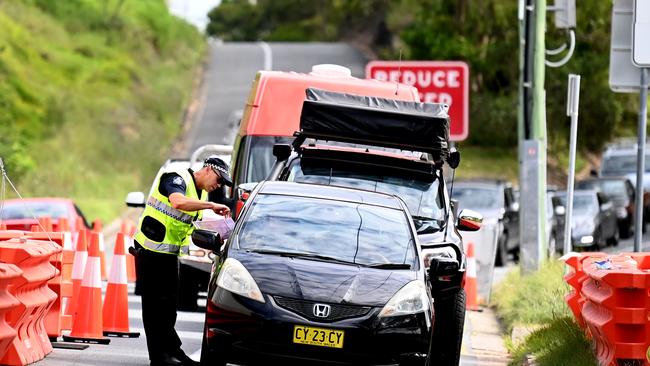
<point x="164" y="247"/>
<point x="170" y="211"/>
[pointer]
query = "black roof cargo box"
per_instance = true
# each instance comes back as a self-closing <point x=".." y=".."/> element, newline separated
<point x="413" y="126"/>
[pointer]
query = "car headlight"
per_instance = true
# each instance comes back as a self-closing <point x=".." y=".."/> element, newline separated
<point x="235" y="278"/>
<point x="410" y="299"/>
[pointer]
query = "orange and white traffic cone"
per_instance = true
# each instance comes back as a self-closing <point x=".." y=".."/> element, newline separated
<point x="78" y="266"/>
<point x="97" y="228"/>
<point x="116" y="302"/>
<point x="471" y="286"/>
<point x="87" y="323"/>
<point x="130" y="260"/>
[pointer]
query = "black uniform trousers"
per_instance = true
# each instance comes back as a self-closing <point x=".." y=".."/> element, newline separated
<point x="157" y="284"/>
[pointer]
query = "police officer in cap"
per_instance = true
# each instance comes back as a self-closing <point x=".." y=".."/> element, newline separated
<point x="163" y="231"/>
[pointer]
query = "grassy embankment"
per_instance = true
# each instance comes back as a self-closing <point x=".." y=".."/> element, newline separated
<point x="537" y="301"/>
<point x="91" y="95"/>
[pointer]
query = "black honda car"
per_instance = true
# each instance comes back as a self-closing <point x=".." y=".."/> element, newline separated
<point x="317" y="274"/>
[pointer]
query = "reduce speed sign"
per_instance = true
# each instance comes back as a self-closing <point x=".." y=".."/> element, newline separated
<point x="437" y="81"/>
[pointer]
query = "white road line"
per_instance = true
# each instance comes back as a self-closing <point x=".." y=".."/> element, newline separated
<point x="268" y="55"/>
<point x="183" y="334"/>
<point x="181" y="316"/>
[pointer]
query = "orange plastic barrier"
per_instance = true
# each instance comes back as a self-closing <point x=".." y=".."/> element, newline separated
<point x="575" y="279"/>
<point x="31" y="290"/>
<point x="616" y="307"/>
<point x="8" y="275"/>
<point x="55" y="320"/>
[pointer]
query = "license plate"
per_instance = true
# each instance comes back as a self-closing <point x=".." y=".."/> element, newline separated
<point x="318" y="336"/>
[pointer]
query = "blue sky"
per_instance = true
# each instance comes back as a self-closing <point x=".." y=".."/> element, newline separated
<point x="194" y="11"/>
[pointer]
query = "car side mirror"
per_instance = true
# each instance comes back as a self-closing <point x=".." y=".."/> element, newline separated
<point x="243" y="192"/>
<point x="135" y="199"/>
<point x="442" y="266"/>
<point x="281" y="151"/>
<point x="454" y="158"/>
<point x="207" y="239"/>
<point x="469" y="220"/>
<point x="560" y="210"/>
<point x="514" y="207"/>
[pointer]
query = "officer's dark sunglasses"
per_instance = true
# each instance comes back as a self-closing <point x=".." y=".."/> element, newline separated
<point x="219" y="179"/>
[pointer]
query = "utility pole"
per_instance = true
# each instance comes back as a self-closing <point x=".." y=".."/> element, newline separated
<point x="532" y="135"/>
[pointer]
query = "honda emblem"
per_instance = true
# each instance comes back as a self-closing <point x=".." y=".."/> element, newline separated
<point x="322" y="310"/>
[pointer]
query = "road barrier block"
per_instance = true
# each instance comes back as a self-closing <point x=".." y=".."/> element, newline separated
<point x="575" y="279"/>
<point x="31" y="290"/>
<point x="8" y="275"/>
<point x="616" y="308"/>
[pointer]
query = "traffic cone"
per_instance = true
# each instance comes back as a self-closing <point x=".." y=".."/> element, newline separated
<point x="116" y="303"/>
<point x="87" y="323"/>
<point x="97" y="228"/>
<point x="78" y="266"/>
<point x="130" y="260"/>
<point x="471" y="287"/>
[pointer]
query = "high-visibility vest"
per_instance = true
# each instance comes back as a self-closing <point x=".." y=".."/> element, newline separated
<point x="177" y="224"/>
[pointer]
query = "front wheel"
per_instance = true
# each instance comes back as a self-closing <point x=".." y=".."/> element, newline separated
<point x="501" y="257"/>
<point x="211" y="356"/>
<point x="448" y="330"/>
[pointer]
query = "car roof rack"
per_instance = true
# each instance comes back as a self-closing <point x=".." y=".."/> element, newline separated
<point x="349" y="118"/>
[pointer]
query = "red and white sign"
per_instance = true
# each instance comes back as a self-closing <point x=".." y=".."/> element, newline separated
<point x="437" y="81"/>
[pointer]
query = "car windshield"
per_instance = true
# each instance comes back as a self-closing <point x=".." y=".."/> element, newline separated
<point x="581" y="202"/>
<point x="422" y="198"/>
<point x="27" y="210"/>
<point x="344" y="231"/>
<point x="261" y="159"/>
<point x="615" y="188"/>
<point x="622" y="164"/>
<point x="477" y="197"/>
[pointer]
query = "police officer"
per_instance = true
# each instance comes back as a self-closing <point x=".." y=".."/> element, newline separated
<point x="163" y="230"/>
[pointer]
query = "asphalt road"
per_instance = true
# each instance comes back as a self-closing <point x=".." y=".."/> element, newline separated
<point x="228" y="78"/>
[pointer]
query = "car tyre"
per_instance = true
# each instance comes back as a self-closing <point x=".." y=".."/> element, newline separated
<point x="613" y="241"/>
<point x="501" y="257"/>
<point x="210" y="356"/>
<point x="448" y="330"/>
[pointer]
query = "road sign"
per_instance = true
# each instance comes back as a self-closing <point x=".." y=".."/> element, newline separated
<point x="640" y="44"/>
<point x="624" y="76"/>
<point x="437" y="81"/>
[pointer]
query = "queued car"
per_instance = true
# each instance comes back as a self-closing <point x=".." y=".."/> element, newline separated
<point x="194" y="269"/>
<point x="620" y="191"/>
<point x="21" y="214"/>
<point x="340" y="143"/>
<point x="594" y="224"/>
<point x="315" y="273"/>
<point x="620" y="160"/>
<point x="496" y="201"/>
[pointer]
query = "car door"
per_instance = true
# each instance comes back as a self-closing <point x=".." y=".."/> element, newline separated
<point x="608" y="215"/>
<point x="511" y="217"/>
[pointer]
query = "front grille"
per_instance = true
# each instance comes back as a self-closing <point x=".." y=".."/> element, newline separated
<point x="306" y="309"/>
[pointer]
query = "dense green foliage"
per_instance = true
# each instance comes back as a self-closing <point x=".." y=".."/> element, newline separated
<point x="537" y="300"/>
<point x="485" y="34"/>
<point x="91" y="95"/>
